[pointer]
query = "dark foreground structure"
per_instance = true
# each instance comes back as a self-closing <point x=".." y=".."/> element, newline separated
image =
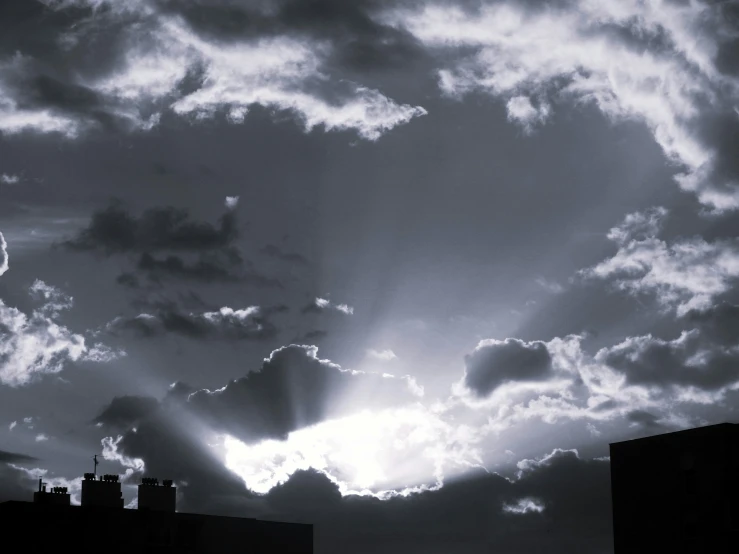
<point x="677" y="492"/>
<point x="101" y="524"/>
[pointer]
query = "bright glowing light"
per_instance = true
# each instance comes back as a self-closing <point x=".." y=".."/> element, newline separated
<point x="394" y="451"/>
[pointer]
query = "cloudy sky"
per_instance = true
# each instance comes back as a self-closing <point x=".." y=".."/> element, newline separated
<point x="399" y="268"/>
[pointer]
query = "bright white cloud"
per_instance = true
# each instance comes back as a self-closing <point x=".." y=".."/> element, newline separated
<point x="522" y="111"/>
<point x="651" y="61"/>
<point x="345" y="308"/>
<point x="41" y="437"/>
<point x="54" y="300"/>
<point x="231" y="202"/>
<point x="686" y="275"/>
<point x="230" y="316"/>
<point x="382" y="355"/>
<point x="324" y="304"/>
<point x="35" y="344"/>
<point x="385" y="453"/>
<point x="12" y="425"/>
<point x="4" y="265"/>
<point x="9" y="179"/>
<point x="111" y="453"/>
<point x="524" y="506"/>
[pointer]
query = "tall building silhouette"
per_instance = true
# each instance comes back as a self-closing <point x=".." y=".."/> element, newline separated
<point x="677" y="492"/>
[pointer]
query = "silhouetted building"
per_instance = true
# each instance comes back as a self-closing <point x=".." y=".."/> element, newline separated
<point x="58" y="496"/>
<point x="104" y="491"/>
<point x="677" y="492"/>
<point x="153" y="496"/>
<point x="96" y="529"/>
<point x="102" y="524"/>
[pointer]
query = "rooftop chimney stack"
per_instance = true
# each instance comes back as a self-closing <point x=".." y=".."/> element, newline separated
<point x="58" y="496"/>
<point x="153" y="496"/>
<point x="105" y="492"/>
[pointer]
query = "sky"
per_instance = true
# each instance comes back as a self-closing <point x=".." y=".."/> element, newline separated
<point x="400" y="269"/>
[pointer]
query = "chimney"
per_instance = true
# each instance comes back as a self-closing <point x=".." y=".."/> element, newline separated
<point x="104" y="492"/>
<point x="153" y="496"/>
<point x="58" y="496"/>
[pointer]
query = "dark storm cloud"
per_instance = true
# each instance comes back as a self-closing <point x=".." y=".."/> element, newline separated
<point x="40" y="86"/>
<point x="644" y="419"/>
<point x="225" y="323"/>
<point x="720" y="324"/>
<point x="203" y="252"/>
<point x="494" y="363"/>
<point x="705" y="357"/>
<point x="115" y="230"/>
<point x="276" y="252"/>
<point x="128" y="280"/>
<point x="125" y="411"/>
<point x="14" y="458"/>
<point x="14" y="484"/>
<point x="74" y="101"/>
<point x="172" y="450"/>
<point x="208" y="269"/>
<point x="293" y="389"/>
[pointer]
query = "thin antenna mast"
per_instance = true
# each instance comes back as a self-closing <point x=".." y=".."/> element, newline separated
<point x="95" y="459"/>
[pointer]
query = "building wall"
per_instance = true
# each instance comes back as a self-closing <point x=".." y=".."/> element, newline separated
<point x="101" y="493"/>
<point x="673" y="492"/>
<point x="111" y="530"/>
<point x="156" y="497"/>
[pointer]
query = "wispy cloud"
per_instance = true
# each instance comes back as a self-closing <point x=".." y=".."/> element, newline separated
<point x="160" y="49"/>
<point x="323" y="304"/>
<point x="685" y="275"/>
<point x="36" y="344"/>
<point x="382" y="355"/>
<point x="4" y="266"/>
<point x="549" y="286"/>
<point x="656" y="62"/>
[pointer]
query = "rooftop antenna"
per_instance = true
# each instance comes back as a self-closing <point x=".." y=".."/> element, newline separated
<point x="95" y="459"/>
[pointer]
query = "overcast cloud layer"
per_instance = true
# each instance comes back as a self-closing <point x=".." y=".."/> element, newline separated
<point x="398" y="269"/>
